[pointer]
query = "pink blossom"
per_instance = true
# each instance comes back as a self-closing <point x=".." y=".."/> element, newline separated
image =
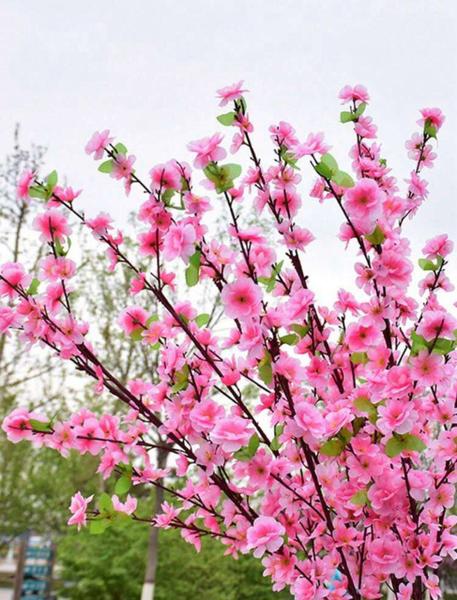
<point x="165" y="518"/>
<point x="241" y="299"/>
<point x="440" y="245"/>
<point x="432" y="115"/>
<point x="437" y="323"/>
<point x="165" y="177"/>
<point x="364" y="200"/>
<point x="230" y="92"/>
<point x="399" y="381"/>
<point x="265" y="535"/>
<point x="179" y="241"/>
<point x="8" y="317"/>
<point x="443" y="496"/>
<point x="128" y="507"/>
<point x="205" y="414"/>
<point x="101" y="224"/>
<point x="78" y="508"/>
<point x="97" y="143"/>
<point x="283" y="134"/>
<point x="231" y="433"/>
<point x="133" y="318"/>
<point x="24" y="184"/>
<point x="52" y="224"/>
<point x="17" y="425"/>
<point x="196" y="205"/>
<point x="12" y="275"/>
<point x="314" y="144"/>
<point x="123" y="167"/>
<point x="297" y="307"/>
<point x="361" y="337"/>
<point x="53" y="269"/>
<point x="397" y="416"/>
<point x="385" y="553"/>
<point x="207" y="150"/>
<point x="297" y="238"/>
<point x="310" y="419"/>
<point x="427" y="368"/>
<point x="358" y="92"/>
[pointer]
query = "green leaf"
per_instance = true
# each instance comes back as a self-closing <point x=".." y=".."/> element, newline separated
<point x="194" y="260"/>
<point x="193" y="270"/>
<point x="51" y="181"/>
<point x="275" y="444"/>
<point x="394" y="447"/>
<point x="232" y="170"/>
<point x="359" y="358"/>
<point x="344" y="435"/>
<point x="253" y="445"/>
<point x="120" y="148"/>
<point x="290" y="159"/>
<point x="270" y="282"/>
<point x="329" y="161"/>
<point x="358" y="423"/>
<point x="265" y="368"/>
<point x="106" y="167"/>
<point x="443" y="346"/>
<point x="419" y="343"/>
<point x="37" y="192"/>
<point x="166" y="196"/>
<point x="427" y="265"/>
<point x="398" y="443"/>
<point x="248" y="452"/>
<point x="33" y="287"/>
<point x="299" y="329"/>
<point x="137" y="334"/>
<point x="222" y="176"/>
<point x="152" y="319"/>
<point x="98" y="526"/>
<point x="360" y="498"/>
<point x="41" y="426"/>
<point x="414" y="443"/>
<point x="377" y="237"/>
<point x="346" y="116"/>
<point x="181" y="379"/>
<point x="323" y="170"/>
<point x="105" y="504"/>
<point x="360" y="110"/>
<point x="290" y="339"/>
<point x="226" y="119"/>
<point x="122" y="485"/>
<point x="343" y="179"/>
<point x="332" y="447"/>
<point x="430" y="129"/>
<point x="202" y="319"/>
<point x="364" y="405"/>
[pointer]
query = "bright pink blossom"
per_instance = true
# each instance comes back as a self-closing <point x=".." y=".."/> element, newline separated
<point x="179" y="241"/>
<point x="265" y="535"/>
<point x="128" y="507"/>
<point x="78" y="508"/>
<point x="207" y="150"/>
<point x="52" y="225"/>
<point x="98" y="142"/>
<point x="230" y="93"/>
<point x="231" y="433"/>
<point x="241" y="298"/>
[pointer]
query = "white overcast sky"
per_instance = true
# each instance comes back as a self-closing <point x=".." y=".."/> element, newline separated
<point x="148" y="70"/>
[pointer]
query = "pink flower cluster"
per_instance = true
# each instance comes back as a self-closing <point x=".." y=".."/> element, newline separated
<point x="322" y="439"/>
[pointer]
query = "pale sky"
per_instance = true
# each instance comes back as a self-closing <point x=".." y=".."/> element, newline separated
<point x="148" y="70"/>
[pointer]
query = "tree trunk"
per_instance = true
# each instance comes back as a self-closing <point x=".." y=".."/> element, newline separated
<point x="147" y="592"/>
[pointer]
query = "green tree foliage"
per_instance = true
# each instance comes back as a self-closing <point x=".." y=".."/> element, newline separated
<point x="111" y="567"/>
